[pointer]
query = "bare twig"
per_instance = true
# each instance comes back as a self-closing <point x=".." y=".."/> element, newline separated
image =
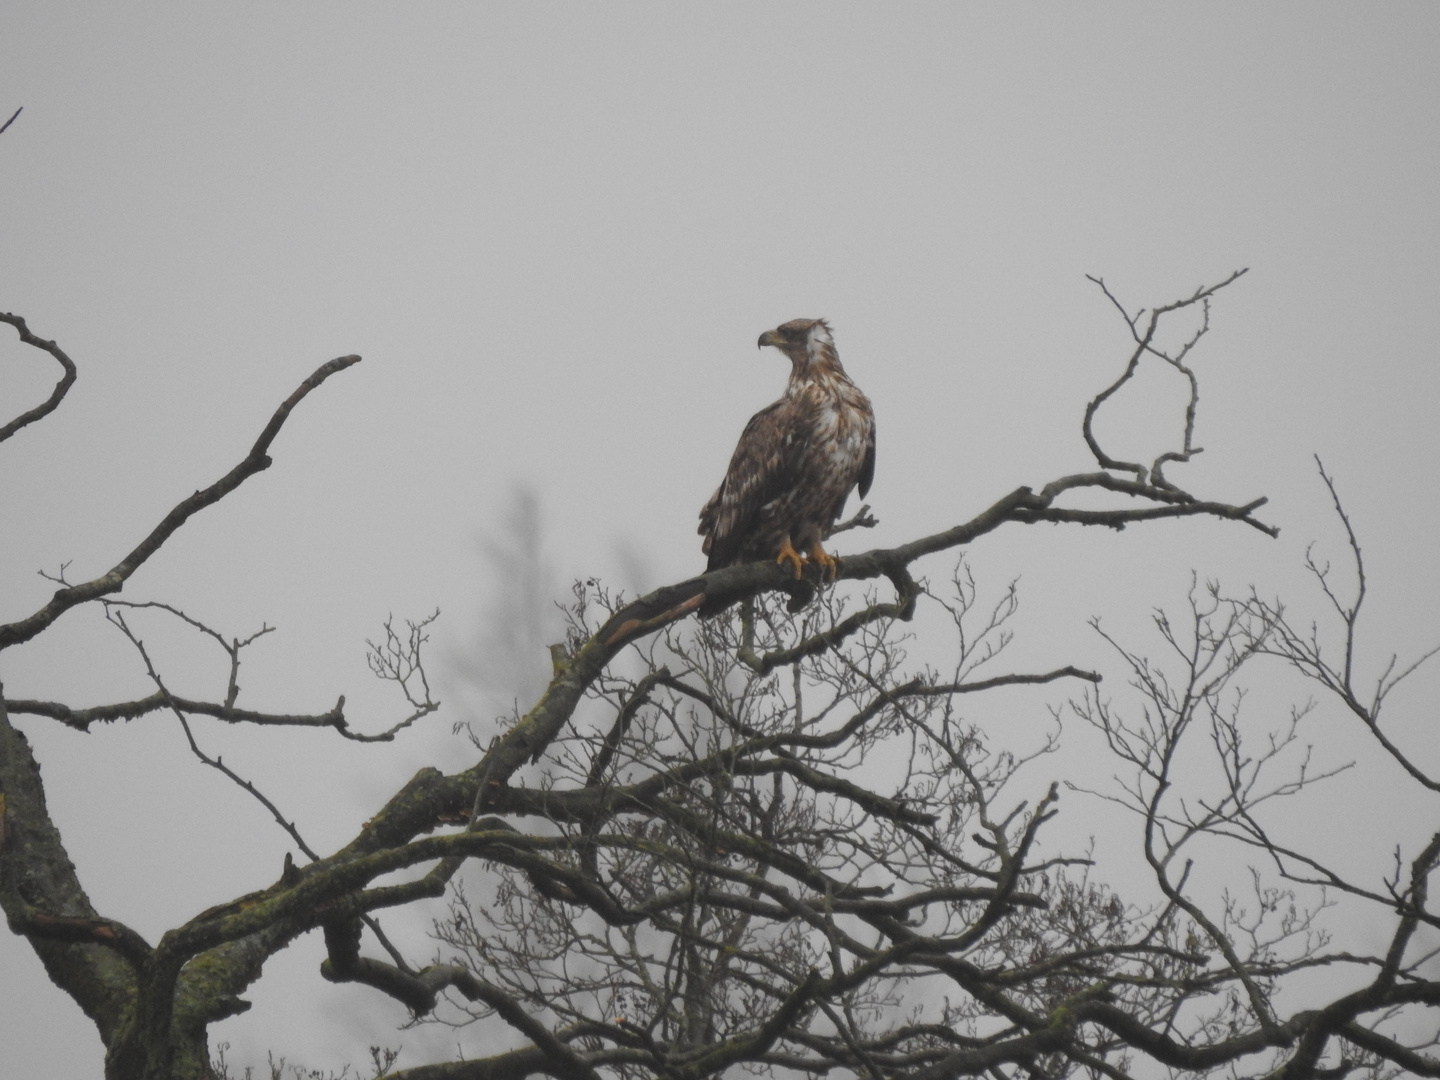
<point x="861" y="519"/>
<point x="1144" y="343"/>
<point x="117" y="618"/>
<point x="395" y="661"/>
<point x="400" y="662"/>
<point x="45" y="408"/>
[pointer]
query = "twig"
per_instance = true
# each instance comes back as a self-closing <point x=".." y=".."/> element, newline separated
<point x="1144" y="343"/>
<point x="118" y="619"/>
<point x="45" y="408"/>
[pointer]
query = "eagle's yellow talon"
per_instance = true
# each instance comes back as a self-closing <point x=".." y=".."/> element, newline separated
<point x="788" y="555"/>
<point x="829" y="564"/>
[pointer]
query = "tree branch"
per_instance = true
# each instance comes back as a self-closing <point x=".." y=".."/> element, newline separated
<point x="256" y="461"/>
<point x="43" y="899"/>
<point x="45" y="408"/>
<point x="82" y="719"/>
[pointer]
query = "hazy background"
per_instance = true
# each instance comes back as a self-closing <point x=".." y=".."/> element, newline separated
<point x="554" y="232"/>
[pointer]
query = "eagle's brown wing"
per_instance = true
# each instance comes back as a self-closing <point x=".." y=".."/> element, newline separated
<point x="762" y="468"/>
<point x="867" y="467"/>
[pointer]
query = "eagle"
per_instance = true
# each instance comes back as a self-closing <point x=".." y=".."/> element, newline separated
<point x="796" y="461"/>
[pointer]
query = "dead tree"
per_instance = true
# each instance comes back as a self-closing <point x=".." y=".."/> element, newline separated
<point x="762" y="841"/>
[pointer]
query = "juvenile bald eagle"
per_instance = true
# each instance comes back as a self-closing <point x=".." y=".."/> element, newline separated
<point x="796" y="461"/>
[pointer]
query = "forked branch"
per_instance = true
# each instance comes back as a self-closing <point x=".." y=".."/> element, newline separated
<point x="1145" y="344"/>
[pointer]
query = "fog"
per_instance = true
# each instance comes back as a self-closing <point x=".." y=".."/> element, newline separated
<point x="554" y="231"/>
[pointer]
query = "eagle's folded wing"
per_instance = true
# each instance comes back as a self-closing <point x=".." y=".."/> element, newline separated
<point x="763" y="467"/>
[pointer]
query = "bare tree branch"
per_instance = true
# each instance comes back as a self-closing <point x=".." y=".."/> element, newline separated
<point x="117" y="618"/>
<point x="45" y="408"/>
<point x="1144" y="343"/>
<point x="256" y="461"/>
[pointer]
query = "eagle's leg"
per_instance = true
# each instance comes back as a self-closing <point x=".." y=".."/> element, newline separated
<point x="789" y="556"/>
<point x="829" y="564"/>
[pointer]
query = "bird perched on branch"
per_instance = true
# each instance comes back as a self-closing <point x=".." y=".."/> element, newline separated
<point x="796" y="461"/>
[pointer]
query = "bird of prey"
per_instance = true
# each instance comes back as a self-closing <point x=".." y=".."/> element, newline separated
<point x="796" y="461"/>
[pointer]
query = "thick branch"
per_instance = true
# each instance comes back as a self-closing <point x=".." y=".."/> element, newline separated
<point x="85" y="955"/>
<point x="1023" y="505"/>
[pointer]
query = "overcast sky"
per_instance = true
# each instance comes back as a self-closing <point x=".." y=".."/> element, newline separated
<point x="554" y="231"/>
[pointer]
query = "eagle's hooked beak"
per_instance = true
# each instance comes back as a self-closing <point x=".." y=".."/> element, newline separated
<point x="769" y="337"/>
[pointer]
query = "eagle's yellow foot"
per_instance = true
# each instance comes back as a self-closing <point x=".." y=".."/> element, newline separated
<point x="788" y="555"/>
<point x="829" y="564"/>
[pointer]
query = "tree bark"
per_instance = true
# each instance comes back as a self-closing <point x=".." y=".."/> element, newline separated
<point x="44" y="901"/>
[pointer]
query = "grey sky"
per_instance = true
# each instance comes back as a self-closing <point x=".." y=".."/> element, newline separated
<point x="554" y="231"/>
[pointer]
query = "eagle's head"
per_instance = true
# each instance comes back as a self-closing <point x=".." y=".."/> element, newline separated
<point x="805" y="341"/>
